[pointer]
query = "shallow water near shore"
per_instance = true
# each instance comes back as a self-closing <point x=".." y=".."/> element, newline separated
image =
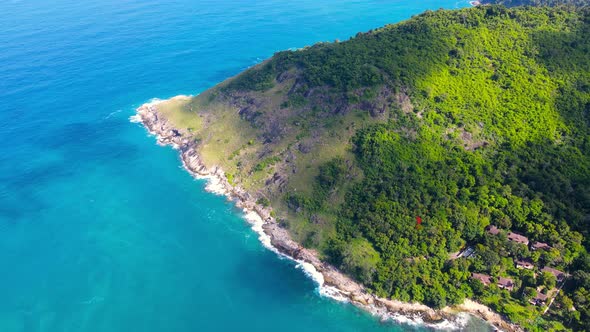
<point x="100" y="228"/>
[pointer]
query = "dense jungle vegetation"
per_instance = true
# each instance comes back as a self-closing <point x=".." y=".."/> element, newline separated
<point x="487" y="114"/>
<point x="512" y="3"/>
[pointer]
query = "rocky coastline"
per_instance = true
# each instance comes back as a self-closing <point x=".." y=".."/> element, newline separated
<point x="332" y="282"/>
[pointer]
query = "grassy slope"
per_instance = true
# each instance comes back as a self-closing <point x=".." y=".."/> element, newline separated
<point x="486" y="108"/>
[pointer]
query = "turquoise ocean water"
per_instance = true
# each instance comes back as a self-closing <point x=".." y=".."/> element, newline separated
<point x="100" y="228"/>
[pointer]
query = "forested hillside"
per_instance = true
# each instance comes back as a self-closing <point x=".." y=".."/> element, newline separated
<point x="442" y="158"/>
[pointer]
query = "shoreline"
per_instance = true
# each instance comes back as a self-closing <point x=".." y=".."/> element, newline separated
<point x="331" y="282"/>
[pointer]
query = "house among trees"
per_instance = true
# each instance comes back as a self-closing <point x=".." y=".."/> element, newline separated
<point x="468" y="252"/>
<point x="485" y="279"/>
<point x="518" y="238"/>
<point x="515" y="237"/>
<point x="560" y="276"/>
<point x="540" y="245"/>
<point x="493" y="230"/>
<point x="539" y="299"/>
<point x="525" y="264"/>
<point x="505" y="283"/>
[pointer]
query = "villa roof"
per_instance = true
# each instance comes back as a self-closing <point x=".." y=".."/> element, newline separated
<point x="518" y="238"/>
<point x="541" y="245"/>
<point x="493" y="230"/>
<point x="485" y="279"/>
<point x="558" y="274"/>
<point x="526" y="263"/>
<point x="505" y="282"/>
<point x="539" y="299"/>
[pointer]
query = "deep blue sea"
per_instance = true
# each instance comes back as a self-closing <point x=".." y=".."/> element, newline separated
<point x="100" y="228"/>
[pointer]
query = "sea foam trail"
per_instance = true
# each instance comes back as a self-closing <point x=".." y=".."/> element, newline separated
<point x="215" y="184"/>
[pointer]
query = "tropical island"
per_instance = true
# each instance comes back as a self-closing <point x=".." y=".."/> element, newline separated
<point x="436" y="160"/>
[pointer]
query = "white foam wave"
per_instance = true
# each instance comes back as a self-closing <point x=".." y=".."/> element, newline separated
<point x="214" y="185"/>
<point x="256" y="223"/>
<point x="135" y="118"/>
<point x="312" y="272"/>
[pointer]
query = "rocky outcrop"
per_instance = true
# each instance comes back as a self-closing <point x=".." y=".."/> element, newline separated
<point x="341" y="285"/>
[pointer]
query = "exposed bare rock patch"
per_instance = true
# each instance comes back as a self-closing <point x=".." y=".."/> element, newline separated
<point x="404" y="102"/>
